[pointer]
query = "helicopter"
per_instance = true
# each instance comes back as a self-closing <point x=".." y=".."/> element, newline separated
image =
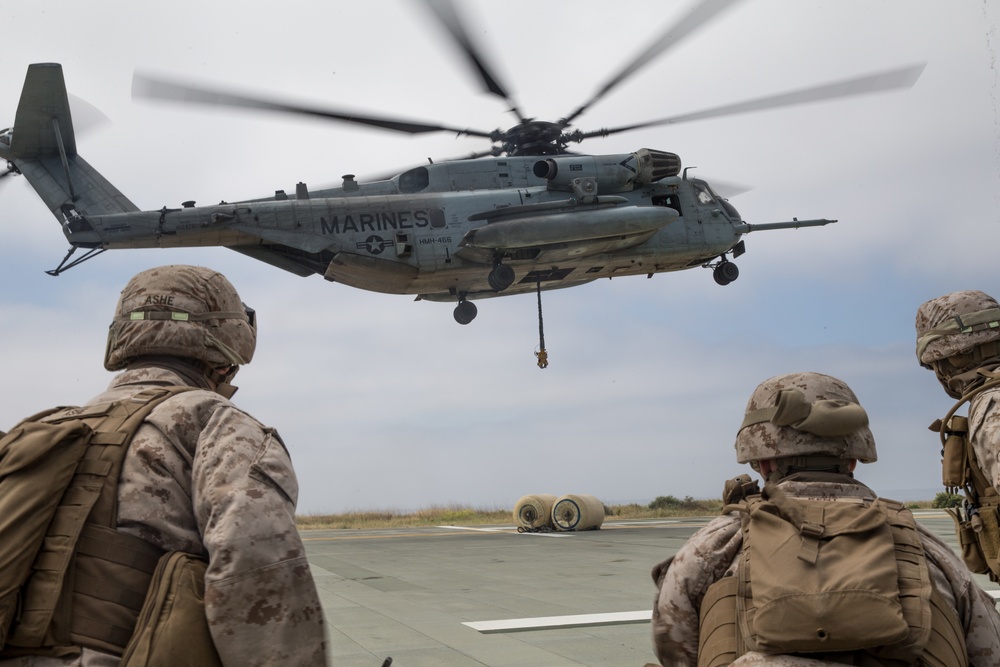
<point x="526" y="214"/>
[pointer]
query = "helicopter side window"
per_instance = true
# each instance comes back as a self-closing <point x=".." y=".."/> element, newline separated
<point x="413" y="180"/>
<point x="670" y="201"/>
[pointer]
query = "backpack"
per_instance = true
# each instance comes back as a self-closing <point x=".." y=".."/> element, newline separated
<point x="977" y="525"/>
<point x="832" y="575"/>
<point x="843" y="580"/>
<point x="58" y="482"/>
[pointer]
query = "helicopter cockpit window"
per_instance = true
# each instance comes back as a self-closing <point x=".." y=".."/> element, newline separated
<point x="413" y="180"/>
<point x="704" y="195"/>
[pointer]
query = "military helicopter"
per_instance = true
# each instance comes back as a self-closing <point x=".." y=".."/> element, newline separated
<point x="525" y="214"/>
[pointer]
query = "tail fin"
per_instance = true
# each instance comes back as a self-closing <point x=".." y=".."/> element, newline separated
<point x="42" y="147"/>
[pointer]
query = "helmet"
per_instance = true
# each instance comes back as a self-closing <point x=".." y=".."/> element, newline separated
<point x="181" y="311"/>
<point x="804" y="414"/>
<point x="955" y="323"/>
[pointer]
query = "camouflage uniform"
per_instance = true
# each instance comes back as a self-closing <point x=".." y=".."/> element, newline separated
<point x="713" y="552"/>
<point x="804" y="422"/>
<point x="204" y="477"/>
<point x="958" y="337"/>
<point x="984" y="432"/>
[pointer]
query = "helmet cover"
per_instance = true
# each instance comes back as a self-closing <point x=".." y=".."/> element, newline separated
<point x="955" y="323"/>
<point x="802" y="414"/>
<point x="181" y="311"/>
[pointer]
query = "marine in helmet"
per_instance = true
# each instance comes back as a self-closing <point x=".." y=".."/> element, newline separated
<point x="958" y="337"/>
<point x="805" y="433"/>
<point x="203" y="477"/>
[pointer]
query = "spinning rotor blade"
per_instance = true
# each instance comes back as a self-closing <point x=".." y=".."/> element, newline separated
<point x="160" y="89"/>
<point x="86" y="116"/>
<point x="697" y="18"/>
<point x="895" y="79"/>
<point x="445" y="12"/>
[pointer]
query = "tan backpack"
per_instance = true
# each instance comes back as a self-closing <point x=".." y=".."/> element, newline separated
<point x="826" y="577"/>
<point x="839" y="579"/>
<point x="58" y="511"/>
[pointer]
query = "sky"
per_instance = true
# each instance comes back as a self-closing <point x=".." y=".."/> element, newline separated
<point x="389" y="404"/>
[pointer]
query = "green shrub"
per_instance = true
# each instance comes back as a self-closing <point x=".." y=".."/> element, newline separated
<point x="672" y="503"/>
<point x="946" y="499"/>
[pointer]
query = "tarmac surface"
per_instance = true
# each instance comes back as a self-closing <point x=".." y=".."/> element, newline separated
<point x="437" y="596"/>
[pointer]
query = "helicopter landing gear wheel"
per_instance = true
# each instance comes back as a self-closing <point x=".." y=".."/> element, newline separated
<point x="465" y="312"/>
<point x="725" y="273"/>
<point x="500" y="278"/>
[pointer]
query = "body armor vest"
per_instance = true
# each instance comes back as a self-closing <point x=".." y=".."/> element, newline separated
<point x="977" y="524"/>
<point x="87" y="581"/>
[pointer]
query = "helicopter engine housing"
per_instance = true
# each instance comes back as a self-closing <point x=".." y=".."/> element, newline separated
<point x="612" y="173"/>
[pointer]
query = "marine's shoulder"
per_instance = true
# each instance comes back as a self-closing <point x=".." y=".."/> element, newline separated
<point x="201" y="406"/>
<point x="716" y="534"/>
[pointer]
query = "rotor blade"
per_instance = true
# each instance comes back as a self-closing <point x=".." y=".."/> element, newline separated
<point x="695" y="19"/>
<point x="86" y="116"/>
<point x="160" y="89"/>
<point x="445" y="12"/>
<point x="727" y="189"/>
<point x="901" y="78"/>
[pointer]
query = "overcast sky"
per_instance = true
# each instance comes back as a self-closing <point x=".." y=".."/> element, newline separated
<point x="387" y="403"/>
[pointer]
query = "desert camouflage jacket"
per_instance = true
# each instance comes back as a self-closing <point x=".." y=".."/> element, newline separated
<point x="202" y="476"/>
<point x="713" y="552"/>
<point x="984" y="432"/>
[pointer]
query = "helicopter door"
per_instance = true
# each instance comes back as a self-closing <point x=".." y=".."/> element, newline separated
<point x="434" y="244"/>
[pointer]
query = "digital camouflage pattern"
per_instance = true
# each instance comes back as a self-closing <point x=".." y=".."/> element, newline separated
<point x="826" y="401"/>
<point x="958" y="336"/>
<point x="181" y="311"/>
<point x="713" y="552"/>
<point x="984" y="432"/>
<point x="940" y="335"/>
<point x="204" y="477"/>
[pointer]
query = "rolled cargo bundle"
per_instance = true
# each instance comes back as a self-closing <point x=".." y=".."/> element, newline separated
<point x="578" y="512"/>
<point x="534" y="511"/>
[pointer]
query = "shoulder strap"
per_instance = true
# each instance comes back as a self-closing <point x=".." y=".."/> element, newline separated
<point x="112" y="438"/>
<point x="92" y="494"/>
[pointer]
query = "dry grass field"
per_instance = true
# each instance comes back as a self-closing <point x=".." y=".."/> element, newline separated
<point x="662" y="507"/>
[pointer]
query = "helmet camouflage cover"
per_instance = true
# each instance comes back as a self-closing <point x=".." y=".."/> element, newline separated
<point x="955" y="323"/>
<point x="181" y="311"/>
<point x="801" y="414"/>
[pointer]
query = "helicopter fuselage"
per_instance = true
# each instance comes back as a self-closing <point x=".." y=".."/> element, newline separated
<point x="454" y="231"/>
<point x="437" y="230"/>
